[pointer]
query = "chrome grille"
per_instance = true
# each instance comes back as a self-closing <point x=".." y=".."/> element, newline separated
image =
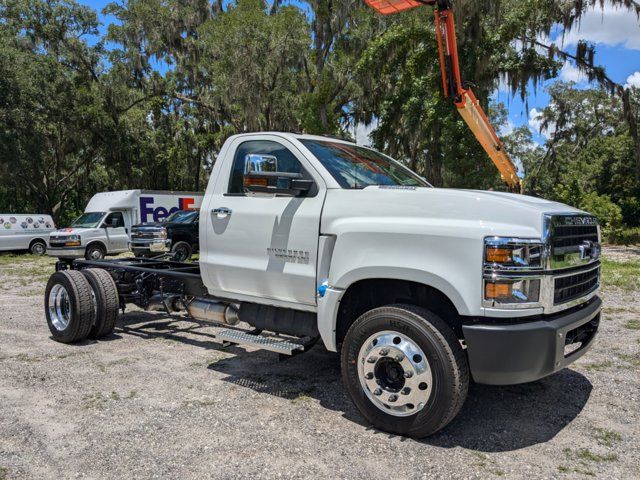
<point x="574" y="286"/>
<point x="571" y="240"/>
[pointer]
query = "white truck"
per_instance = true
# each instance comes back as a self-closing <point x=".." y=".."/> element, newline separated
<point x="105" y="226"/>
<point x="420" y="289"/>
<point x="19" y="231"/>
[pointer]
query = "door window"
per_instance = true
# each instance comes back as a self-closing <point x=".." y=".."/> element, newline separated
<point x="284" y="159"/>
<point x="114" y="220"/>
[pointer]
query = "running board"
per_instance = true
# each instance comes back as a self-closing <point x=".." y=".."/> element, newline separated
<point x="281" y="346"/>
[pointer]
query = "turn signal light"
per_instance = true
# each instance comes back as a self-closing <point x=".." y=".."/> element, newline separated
<point x="498" y="255"/>
<point x="72" y="244"/>
<point x="255" y="182"/>
<point x="497" y="290"/>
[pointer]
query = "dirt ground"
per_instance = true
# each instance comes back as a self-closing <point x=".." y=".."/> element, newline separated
<point x="161" y="399"/>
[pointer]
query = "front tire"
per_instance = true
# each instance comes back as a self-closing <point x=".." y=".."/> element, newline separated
<point x="405" y="370"/>
<point x="182" y="251"/>
<point x="94" y="252"/>
<point x="68" y="306"/>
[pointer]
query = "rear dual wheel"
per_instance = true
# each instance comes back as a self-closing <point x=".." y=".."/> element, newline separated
<point x="405" y="370"/>
<point x="81" y="304"/>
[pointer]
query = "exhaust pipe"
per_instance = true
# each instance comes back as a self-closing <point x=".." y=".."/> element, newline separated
<point x="213" y="311"/>
<point x="171" y="303"/>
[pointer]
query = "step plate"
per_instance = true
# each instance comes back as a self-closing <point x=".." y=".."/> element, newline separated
<point x="284" y="347"/>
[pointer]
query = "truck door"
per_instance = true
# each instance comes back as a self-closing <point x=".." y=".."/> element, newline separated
<point x="116" y="232"/>
<point x="262" y="245"/>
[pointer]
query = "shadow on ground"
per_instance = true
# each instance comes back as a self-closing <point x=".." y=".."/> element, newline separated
<point x="493" y="419"/>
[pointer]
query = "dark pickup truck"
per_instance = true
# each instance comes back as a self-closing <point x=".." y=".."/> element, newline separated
<point x="178" y="233"/>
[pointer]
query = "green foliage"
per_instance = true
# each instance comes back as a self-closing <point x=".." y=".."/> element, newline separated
<point x="150" y="104"/>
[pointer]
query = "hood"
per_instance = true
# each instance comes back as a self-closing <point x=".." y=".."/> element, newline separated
<point x="70" y="231"/>
<point x="494" y="213"/>
<point x="149" y="226"/>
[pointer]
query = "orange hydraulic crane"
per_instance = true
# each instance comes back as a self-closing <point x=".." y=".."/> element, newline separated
<point x="463" y="98"/>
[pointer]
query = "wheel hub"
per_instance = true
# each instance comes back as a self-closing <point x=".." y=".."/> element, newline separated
<point x="59" y="307"/>
<point x="394" y="373"/>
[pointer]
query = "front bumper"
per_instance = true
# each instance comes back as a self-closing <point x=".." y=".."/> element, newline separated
<point x="149" y="246"/>
<point x="66" y="252"/>
<point x="503" y="353"/>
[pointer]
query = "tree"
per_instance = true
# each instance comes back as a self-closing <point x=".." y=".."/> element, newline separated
<point x="50" y="115"/>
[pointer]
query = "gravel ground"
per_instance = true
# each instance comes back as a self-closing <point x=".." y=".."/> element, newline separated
<point x="161" y="399"/>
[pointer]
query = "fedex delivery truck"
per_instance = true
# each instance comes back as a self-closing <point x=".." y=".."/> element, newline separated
<point x="105" y="226"/>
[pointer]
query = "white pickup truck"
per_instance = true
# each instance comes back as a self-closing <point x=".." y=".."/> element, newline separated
<point x="420" y="289"/>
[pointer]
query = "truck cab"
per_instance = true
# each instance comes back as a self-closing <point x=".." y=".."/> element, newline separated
<point x="93" y="235"/>
<point x="312" y="239"/>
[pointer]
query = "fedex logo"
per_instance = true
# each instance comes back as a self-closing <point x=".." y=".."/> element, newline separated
<point x="158" y="213"/>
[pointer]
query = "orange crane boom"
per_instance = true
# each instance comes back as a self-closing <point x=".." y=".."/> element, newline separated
<point x="463" y="98"/>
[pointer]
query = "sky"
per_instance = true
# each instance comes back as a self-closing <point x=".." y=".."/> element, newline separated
<point x="615" y="31"/>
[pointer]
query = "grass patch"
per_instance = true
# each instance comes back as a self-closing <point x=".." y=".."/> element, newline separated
<point x="606" y="437"/>
<point x="586" y="455"/>
<point x="624" y="275"/>
<point x="4" y="472"/>
<point x="202" y="402"/>
<point x="598" y="366"/>
<point x="99" y="400"/>
<point x="632" y="324"/>
<point x="301" y="399"/>
<point x="578" y="470"/>
<point x="633" y="360"/>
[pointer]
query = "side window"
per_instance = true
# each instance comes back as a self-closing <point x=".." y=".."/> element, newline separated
<point x="114" y="220"/>
<point x="286" y="161"/>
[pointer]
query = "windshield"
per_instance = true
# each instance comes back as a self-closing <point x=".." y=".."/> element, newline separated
<point x="182" y="216"/>
<point x="359" y="167"/>
<point x="88" y="220"/>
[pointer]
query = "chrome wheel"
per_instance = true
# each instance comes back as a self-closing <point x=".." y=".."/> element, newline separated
<point x="394" y="373"/>
<point x="59" y="307"/>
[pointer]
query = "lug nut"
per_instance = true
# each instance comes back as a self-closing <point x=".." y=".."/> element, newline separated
<point x="372" y="359"/>
<point x="369" y="376"/>
<point x="408" y="374"/>
<point x="406" y="391"/>
<point x="377" y="392"/>
<point x="393" y="398"/>
<point x="384" y="351"/>
<point x="399" y="357"/>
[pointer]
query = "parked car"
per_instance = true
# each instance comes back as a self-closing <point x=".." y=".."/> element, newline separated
<point x="105" y="227"/>
<point x="420" y="289"/>
<point x="178" y="233"/>
<point x="25" y="232"/>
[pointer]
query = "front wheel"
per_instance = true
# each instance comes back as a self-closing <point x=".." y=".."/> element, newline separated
<point x="94" y="252"/>
<point x="182" y="251"/>
<point x="405" y="370"/>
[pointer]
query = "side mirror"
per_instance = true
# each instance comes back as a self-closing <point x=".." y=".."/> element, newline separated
<point x="255" y="162"/>
<point x="279" y="183"/>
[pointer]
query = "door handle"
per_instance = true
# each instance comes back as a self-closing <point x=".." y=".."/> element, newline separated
<point x="221" y="212"/>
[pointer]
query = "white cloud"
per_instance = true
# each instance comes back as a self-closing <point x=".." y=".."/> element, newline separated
<point x="571" y="73"/>
<point x="610" y="25"/>
<point x="507" y="128"/>
<point x="362" y="132"/>
<point x="535" y="122"/>
<point x="633" y="80"/>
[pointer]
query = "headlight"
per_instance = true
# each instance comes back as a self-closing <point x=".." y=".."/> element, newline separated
<point x="163" y="233"/>
<point x="510" y="272"/>
<point x="72" y="241"/>
<point x="504" y="291"/>
<point x="512" y="253"/>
